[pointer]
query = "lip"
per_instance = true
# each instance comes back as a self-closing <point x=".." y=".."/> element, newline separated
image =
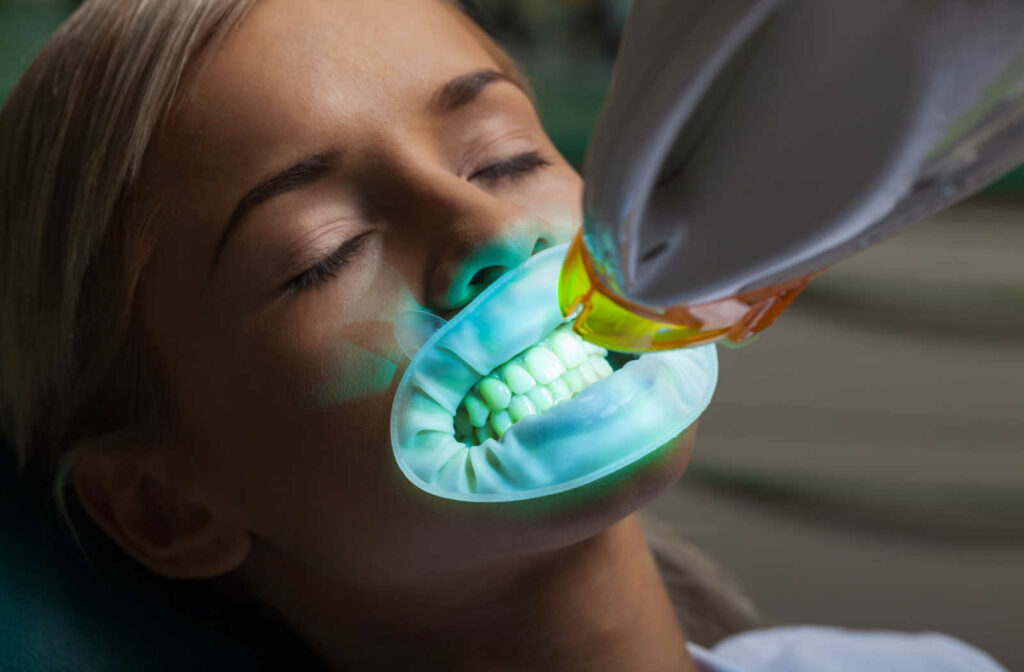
<point x="608" y="426"/>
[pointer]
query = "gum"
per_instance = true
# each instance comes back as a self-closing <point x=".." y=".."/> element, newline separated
<point x="608" y="426"/>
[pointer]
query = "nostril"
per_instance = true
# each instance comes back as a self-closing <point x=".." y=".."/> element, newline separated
<point x="485" y="276"/>
<point x="490" y="263"/>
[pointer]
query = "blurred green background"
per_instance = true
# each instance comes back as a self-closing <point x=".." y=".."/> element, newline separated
<point x="863" y="463"/>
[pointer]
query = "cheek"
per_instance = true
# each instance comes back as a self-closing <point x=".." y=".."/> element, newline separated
<point x="335" y="343"/>
<point x="317" y="479"/>
<point x="317" y="475"/>
<point x="362" y="362"/>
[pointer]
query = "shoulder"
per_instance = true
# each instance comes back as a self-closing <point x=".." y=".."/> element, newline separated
<point x="820" y="649"/>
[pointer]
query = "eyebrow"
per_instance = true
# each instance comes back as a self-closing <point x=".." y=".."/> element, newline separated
<point x="453" y="95"/>
<point x="462" y="90"/>
<point x="299" y="175"/>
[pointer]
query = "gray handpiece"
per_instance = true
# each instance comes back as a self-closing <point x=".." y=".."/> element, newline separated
<point x="748" y="142"/>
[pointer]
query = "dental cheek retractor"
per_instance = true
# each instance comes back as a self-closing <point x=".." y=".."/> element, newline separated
<point x="506" y="403"/>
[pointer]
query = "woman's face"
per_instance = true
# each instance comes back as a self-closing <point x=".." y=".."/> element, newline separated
<point x="337" y="164"/>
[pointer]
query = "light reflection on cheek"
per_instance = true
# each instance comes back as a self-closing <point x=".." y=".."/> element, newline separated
<point x="364" y="359"/>
<point x="362" y="373"/>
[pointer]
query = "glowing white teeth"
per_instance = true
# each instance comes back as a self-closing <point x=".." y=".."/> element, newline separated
<point x="601" y="366"/>
<point x="559" y="390"/>
<point x="543" y="364"/>
<point x="556" y="369"/>
<point x="476" y="409"/>
<point x="542" y="398"/>
<point x="520" y="408"/>
<point x="517" y="378"/>
<point x="495" y="393"/>
<point x="500" y="422"/>
<point x="574" y="380"/>
<point x="588" y="373"/>
<point x="568" y="348"/>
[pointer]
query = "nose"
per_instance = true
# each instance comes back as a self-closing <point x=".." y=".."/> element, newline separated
<point x="480" y="238"/>
<point x="469" y="269"/>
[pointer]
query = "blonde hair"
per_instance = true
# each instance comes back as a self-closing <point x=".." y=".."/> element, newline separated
<point x="72" y="241"/>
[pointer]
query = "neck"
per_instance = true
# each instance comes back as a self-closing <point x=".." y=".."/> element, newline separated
<point x="596" y="605"/>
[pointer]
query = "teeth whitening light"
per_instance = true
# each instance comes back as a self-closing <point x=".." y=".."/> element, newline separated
<point x="746" y="145"/>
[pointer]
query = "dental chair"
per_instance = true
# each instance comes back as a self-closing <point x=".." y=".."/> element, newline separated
<point x="61" y="611"/>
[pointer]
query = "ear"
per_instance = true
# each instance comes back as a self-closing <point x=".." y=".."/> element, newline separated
<point x="131" y="498"/>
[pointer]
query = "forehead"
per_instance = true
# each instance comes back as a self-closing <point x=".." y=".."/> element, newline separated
<point x="295" y="65"/>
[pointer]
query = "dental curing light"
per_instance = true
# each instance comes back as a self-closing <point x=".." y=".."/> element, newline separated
<point x="746" y="145"/>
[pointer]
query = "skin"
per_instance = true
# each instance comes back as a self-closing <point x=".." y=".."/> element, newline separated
<point x="278" y="469"/>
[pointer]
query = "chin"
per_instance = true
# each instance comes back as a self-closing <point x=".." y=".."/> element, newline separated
<point x="572" y="516"/>
<point x="501" y="530"/>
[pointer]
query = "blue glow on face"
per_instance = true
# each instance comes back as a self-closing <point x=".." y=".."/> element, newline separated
<point x="609" y="425"/>
<point x="365" y="373"/>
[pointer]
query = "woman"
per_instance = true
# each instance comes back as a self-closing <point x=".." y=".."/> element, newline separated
<point x="212" y="212"/>
<point x="227" y="204"/>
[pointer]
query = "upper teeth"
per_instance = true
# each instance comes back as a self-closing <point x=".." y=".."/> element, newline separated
<point x="554" y="370"/>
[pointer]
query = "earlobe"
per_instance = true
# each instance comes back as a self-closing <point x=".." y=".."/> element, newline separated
<point x="128" y="496"/>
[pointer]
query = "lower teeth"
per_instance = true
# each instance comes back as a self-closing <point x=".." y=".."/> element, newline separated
<point x="546" y="374"/>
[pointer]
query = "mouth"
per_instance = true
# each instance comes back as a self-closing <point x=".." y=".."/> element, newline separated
<point x="507" y="403"/>
<point x="555" y="370"/>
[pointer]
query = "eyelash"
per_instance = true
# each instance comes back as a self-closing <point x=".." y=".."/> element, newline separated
<point x="511" y="170"/>
<point x="329" y="266"/>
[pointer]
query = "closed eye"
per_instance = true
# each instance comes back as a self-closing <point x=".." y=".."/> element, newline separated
<point x="511" y="169"/>
<point x="329" y="266"/>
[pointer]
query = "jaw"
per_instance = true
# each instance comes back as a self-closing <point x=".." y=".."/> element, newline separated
<point x="604" y="431"/>
<point x="463" y="536"/>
